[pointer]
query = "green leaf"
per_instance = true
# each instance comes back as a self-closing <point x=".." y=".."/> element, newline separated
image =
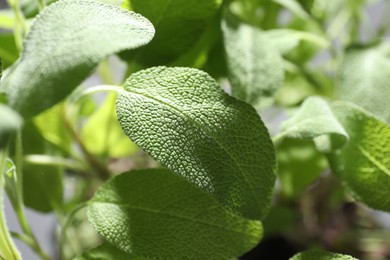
<point x="255" y="67"/>
<point x="184" y="120"/>
<point x="315" y="120"/>
<point x="179" y="24"/>
<point x="299" y="164"/>
<point x="363" y="79"/>
<point x="295" y="7"/>
<point x="8" y="51"/>
<point x="103" y="136"/>
<point x="66" y="42"/>
<point x="315" y="254"/>
<point x="159" y="215"/>
<point x="363" y="164"/>
<point x="7" y="19"/>
<point x="10" y="122"/>
<point x="107" y="251"/>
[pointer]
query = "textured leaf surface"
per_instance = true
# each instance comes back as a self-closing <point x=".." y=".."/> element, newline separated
<point x="364" y="79"/>
<point x="159" y="215"/>
<point x="364" y="163"/>
<point x="320" y="255"/>
<point x="10" y="122"/>
<point x="102" y="135"/>
<point x="255" y="67"/>
<point x="315" y="120"/>
<point x="66" y="42"/>
<point x="184" y="120"/>
<point x="178" y="23"/>
<point x="107" y="251"/>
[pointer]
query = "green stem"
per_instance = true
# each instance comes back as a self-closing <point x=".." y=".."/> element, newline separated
<point x="7" y="247"/>
<point x="41" y="4"/>
<point x="20" y="25"/>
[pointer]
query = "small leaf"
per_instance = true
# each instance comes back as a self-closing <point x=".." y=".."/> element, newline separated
<point x="159" y="215"/>
<point x="66" y="42"/>
<point x="316" y="254"/>
<point x="255" y="67"/>
<point x="363" y="79"/>
<point x="315" y="120"/>
<point x="179" y="24"/>
<point x="10" y="122"/>
<point x="102" y="135"/>
<point x="363" y="164"/>
<point x="184" y="120"/>
<point x="107" y="251"/>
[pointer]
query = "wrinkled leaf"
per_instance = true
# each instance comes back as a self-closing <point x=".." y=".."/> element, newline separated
<point x="159" y="215"/>
<point x="364" y="163"/>
<point x="107" y="251"/>
<point x="102" y="135"/>
<point x="179" y="24"/>
<point x="184" y="120"/>
<point x="364" y="79"/>
<point x="315" y="120"/>
<point x="316" y="254"/>
<point x="10" y="122"/>
<point x="255" y="67"/>
<point x="66" y="42"/>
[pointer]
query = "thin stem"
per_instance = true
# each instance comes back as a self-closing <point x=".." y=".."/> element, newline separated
<point x="55" y="160"/>
<point x="20" y="25"/>
<point x="41" y="4"/>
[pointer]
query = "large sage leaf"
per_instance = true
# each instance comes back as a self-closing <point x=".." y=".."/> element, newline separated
<point x="66" y="42"/>
<point x="184" y="120"/>
<point x="364" y="79"/>
<point x="255" y="67"/>
<point x="364" y="163"/>
<point x="179" y="24"/>
<point x="158" y="214"/>
<point x="316" y="254"/>
<point x="315" y="120"/>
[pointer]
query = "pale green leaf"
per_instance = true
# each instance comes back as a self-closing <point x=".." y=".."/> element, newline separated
<point x="316" y="254"/>
<point x="364" y="163"/>
<point x="179" y="24"/>
<point x="255" y="67"/>
<point x="159" y="215"/>
<point x="7" y="19"/>
<point x="10" y="122"/>
<point x="315" y="120"/>
<point x="184" y="120"/>
<point x="364" y="79"/>
<point x="66" y="42"/>
<point x="107" y="251"/>
<point x="103" y="136"/>
<point x="295" y="7"/>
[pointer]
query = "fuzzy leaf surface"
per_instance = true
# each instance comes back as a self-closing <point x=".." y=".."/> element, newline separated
<point x="255" y="67"/>
<point x="159" y="215"/>
<point x="363" y="164"/>
<point x="184" y="120"/>
<point x="66" y="42"/>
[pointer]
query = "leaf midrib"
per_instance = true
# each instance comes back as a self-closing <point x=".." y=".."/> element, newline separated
<point x="373" y="160"/>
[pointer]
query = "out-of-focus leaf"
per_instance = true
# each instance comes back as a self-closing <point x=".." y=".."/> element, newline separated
<point x="278" y="220"/>
<point x="364" y="163"/>
<point x="159" y="215"/>
<point x="8" y="51"/>
<point x="294" y="7"/>
<point x="107" y="251"/>
<point x="10" y="122"/>
<point x="7" y="20"/>
<point x="315" y="254"/>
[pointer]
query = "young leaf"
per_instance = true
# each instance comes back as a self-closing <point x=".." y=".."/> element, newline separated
<point x="363" y="79"/>
<point x="158" y="214"/>
<point x="10" y="122"/>
<point x="184" y="120"/>
<point x="107" y="251"/>
<point x="363" y="164"/>
<point x="179" y="24"/>
<point x="315" y="254"/>
<point x="315" y="120"/>
<point x="66" y="42"/>
<point x="102" y="135"/>
<point x="255" y="67"/>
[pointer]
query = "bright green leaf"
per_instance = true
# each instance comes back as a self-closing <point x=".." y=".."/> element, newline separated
<point x="316" y="254"/>
<point x="295" y="7"/>
<point x="364" y="79"/>
<point x="184" y="120"/>
<point x="7" y="19"/>
<point x="179" y="24"/>
<point x="315" y="120"/>
<point x="107" y="251"/>
<point x="10" y="122"/>
<point x="255" y="67"/>
<point x="66" y="42"/>
<point x="159" y="215"/>
<point x="103" y="136"/>
<point x="364" y="163"/>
